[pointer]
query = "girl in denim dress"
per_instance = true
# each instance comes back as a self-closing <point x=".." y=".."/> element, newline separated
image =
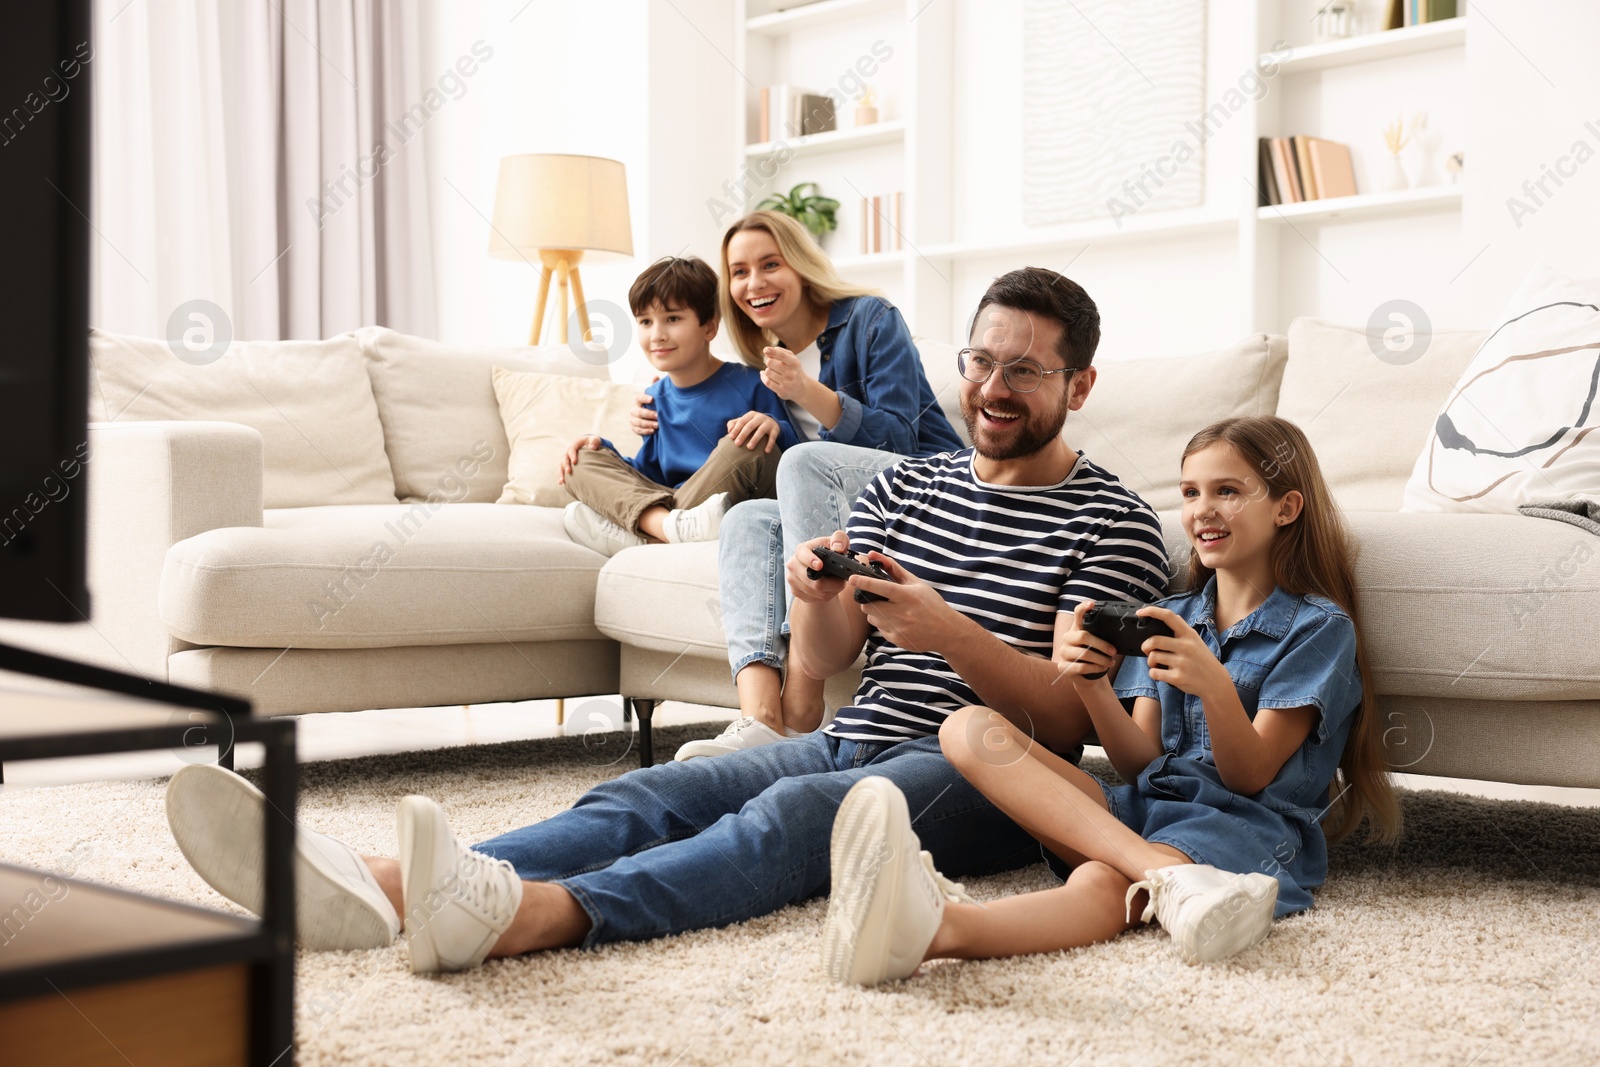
<point x="1252" y="728"/>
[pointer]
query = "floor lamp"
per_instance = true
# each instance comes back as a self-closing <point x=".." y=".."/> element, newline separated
<point x="560" y="209"/>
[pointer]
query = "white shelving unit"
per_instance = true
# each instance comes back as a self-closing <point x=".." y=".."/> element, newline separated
<point x="1262" y="260"/>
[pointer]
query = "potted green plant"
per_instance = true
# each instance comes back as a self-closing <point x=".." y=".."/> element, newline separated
<point x="814" y="211"/>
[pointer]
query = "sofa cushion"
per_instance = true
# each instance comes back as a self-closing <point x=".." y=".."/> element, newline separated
<point x="663" y="598"/>
<point x="939" y="364"/>
<point x="438" y="407"/>
<point x="1366" y="417"/>
<point x="376" y="576"/>
<point x="311" y="401"/>
<point x="1516" y="428"/>
<point x="542" y="414"/>
<point x="1142" y="412"/>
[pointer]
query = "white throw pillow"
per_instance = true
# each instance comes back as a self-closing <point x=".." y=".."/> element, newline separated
<point x="542" y="414"/>
<point x="1516" y="427"/>
<point x="440" y="418"/>
<point x="1364" y="416"/>
<point x="312" y="402"/>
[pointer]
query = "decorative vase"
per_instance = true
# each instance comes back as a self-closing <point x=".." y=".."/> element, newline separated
<point x="1391" y="177"/>
<point x="866" y="115"/>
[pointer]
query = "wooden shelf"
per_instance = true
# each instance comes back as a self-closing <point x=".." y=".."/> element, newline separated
<point x="1155" y="224"/>
<point x="819" y="15"/>
<point x="1367" y="205"/>
<point x="833" y="141"/>
<point x="1446" y="33"/>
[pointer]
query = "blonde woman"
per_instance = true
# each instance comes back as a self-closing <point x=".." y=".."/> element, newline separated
<point x="842" y="360"/>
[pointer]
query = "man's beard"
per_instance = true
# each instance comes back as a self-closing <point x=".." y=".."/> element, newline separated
<point x="1035" y="432"/>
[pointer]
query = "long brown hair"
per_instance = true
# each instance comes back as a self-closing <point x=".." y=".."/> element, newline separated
<point x="804" y="256"/>
<point x="1313" y="556"/>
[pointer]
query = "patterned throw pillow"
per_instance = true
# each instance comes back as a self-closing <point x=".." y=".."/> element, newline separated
<point x="1517" y="426"/>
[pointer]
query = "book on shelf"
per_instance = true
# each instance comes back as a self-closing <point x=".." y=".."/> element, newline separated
<point x="882" y="222"/>
<point x="785" y="111"/>
<point x="1401" y="13"/>
<point x="1299" y="168"/>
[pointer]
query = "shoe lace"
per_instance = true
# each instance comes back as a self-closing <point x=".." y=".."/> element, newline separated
<point x="739" y="725"/>
<point x="951" y="890"/>
<point x="1156" y="884"/>
<point x="483" y="887"/>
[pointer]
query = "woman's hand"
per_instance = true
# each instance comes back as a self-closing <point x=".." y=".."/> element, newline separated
<point x="752" y="428"/>
<point x="569" y="458"/>
<point x="1183" y="660"/>
<point x="1088" y="660"/>
<point x="784" y="374"/>
<point x="642" y="418"/>
<point x="815" y="590"/>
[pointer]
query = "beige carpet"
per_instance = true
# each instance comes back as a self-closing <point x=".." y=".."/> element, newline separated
<point x="1472" y="942"/>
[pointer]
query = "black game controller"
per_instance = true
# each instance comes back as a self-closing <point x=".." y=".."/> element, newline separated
<point x="1116" y="622"/>
<point x="843" y="565"/>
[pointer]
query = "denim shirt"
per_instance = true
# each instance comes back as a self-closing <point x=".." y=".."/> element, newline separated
<point x="1291" y="652"/>
<point x="885" y="400"/>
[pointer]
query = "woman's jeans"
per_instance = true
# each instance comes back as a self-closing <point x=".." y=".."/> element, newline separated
<point x="707" y="842"/>
<point x="818" y="483"/>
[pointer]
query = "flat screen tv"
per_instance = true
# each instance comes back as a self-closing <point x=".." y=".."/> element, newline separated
<point x="44" y="308"/>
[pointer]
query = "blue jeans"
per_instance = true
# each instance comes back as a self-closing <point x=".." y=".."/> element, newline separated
<point x="818" y="483"/>
<point x="707" y="842"/>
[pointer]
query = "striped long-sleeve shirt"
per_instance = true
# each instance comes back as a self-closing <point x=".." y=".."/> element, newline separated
<point x="1008" y="557"/>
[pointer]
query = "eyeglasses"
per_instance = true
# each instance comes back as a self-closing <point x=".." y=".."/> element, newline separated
<point x="1021" y="375"/>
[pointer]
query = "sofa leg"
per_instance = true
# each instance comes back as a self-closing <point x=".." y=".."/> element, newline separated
<point x="644" y="709"/>
<point x="561" y="710"/>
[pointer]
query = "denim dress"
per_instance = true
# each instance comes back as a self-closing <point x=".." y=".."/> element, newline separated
<point x="1291" y="652"/>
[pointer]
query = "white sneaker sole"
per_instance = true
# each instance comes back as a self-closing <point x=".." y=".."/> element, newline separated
<point x="868" y="840"/>
<point x="1242" y="919"/>
<point x="216" y="818"/>
<point x="419" y="822"/>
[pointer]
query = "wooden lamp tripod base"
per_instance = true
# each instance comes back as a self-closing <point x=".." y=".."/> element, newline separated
<point x="563" y="264"/>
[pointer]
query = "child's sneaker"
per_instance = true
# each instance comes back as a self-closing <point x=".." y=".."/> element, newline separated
<point x="887" y="899"/>
<point x="1209" y="913"/>
<point x="699" y="523"/>
<point x="595" y="532"/>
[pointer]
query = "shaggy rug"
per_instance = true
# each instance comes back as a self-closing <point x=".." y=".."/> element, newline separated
<point x="1472" y="941"/>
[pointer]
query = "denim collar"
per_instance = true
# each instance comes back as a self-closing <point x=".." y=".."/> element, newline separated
<point x="1272" y="618"/>
<point x="839" y="313"/>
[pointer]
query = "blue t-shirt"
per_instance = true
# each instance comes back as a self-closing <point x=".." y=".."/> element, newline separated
<point x="691" y="421"/>
<point x="1291" y="652"/>
<point x="1009" y="557"/>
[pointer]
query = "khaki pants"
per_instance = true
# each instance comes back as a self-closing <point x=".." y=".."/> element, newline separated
<point x="606" y="483"/>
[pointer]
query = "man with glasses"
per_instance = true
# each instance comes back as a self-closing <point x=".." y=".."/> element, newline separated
<point x="988" y="551"/>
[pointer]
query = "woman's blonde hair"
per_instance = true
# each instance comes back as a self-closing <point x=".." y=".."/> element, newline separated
<point x="804" y="256"/>
<point x="1313" y="556"/>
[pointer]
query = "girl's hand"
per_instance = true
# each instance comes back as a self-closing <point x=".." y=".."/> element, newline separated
<point x="753" y="427"/>
<point x="569" y="458"/>
<point x="642" y="417"/>
<point x="784" y="375"/>
<point x="1183" y="660"/>
<point x="1087" y="659"/>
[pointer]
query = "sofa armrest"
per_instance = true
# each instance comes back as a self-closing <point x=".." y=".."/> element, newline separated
<point x="150" y="485"/>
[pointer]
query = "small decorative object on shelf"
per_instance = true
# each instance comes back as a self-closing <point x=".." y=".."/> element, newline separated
<point x="1420" y="153"/>
<point x="1454" y="166"/>
<point x="816" y="114"/>
<point x="813" y="211"/>
<point x="1393" y="176"/>
<point x="867" y="108"/>
<point x="1333" y="21"/>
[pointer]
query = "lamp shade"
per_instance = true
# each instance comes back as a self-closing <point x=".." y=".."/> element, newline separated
<point x="560" y="201"/>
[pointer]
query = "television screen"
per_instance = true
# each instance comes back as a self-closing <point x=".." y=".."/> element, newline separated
<point x="44" y="309"/>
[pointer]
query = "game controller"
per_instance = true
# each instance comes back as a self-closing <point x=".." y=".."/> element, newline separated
<point x="842" y="565"/>
<point x="1127" y="632"/>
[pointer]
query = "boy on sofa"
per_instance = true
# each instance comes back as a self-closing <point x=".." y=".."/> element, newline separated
<point x="720" y="433"/>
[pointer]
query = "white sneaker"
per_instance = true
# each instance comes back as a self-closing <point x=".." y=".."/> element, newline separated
<point x="699" y="523"/>
<point x="216" y="818"/>
<point x="458" y="902"/>
<point x="1209" y="913"/>
<point x="741" y="734"/>
<point x="887" y="899"/>
<point x="594" y="531"/>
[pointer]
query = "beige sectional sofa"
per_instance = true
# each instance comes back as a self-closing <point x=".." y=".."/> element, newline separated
<point x="312" y="525"/>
